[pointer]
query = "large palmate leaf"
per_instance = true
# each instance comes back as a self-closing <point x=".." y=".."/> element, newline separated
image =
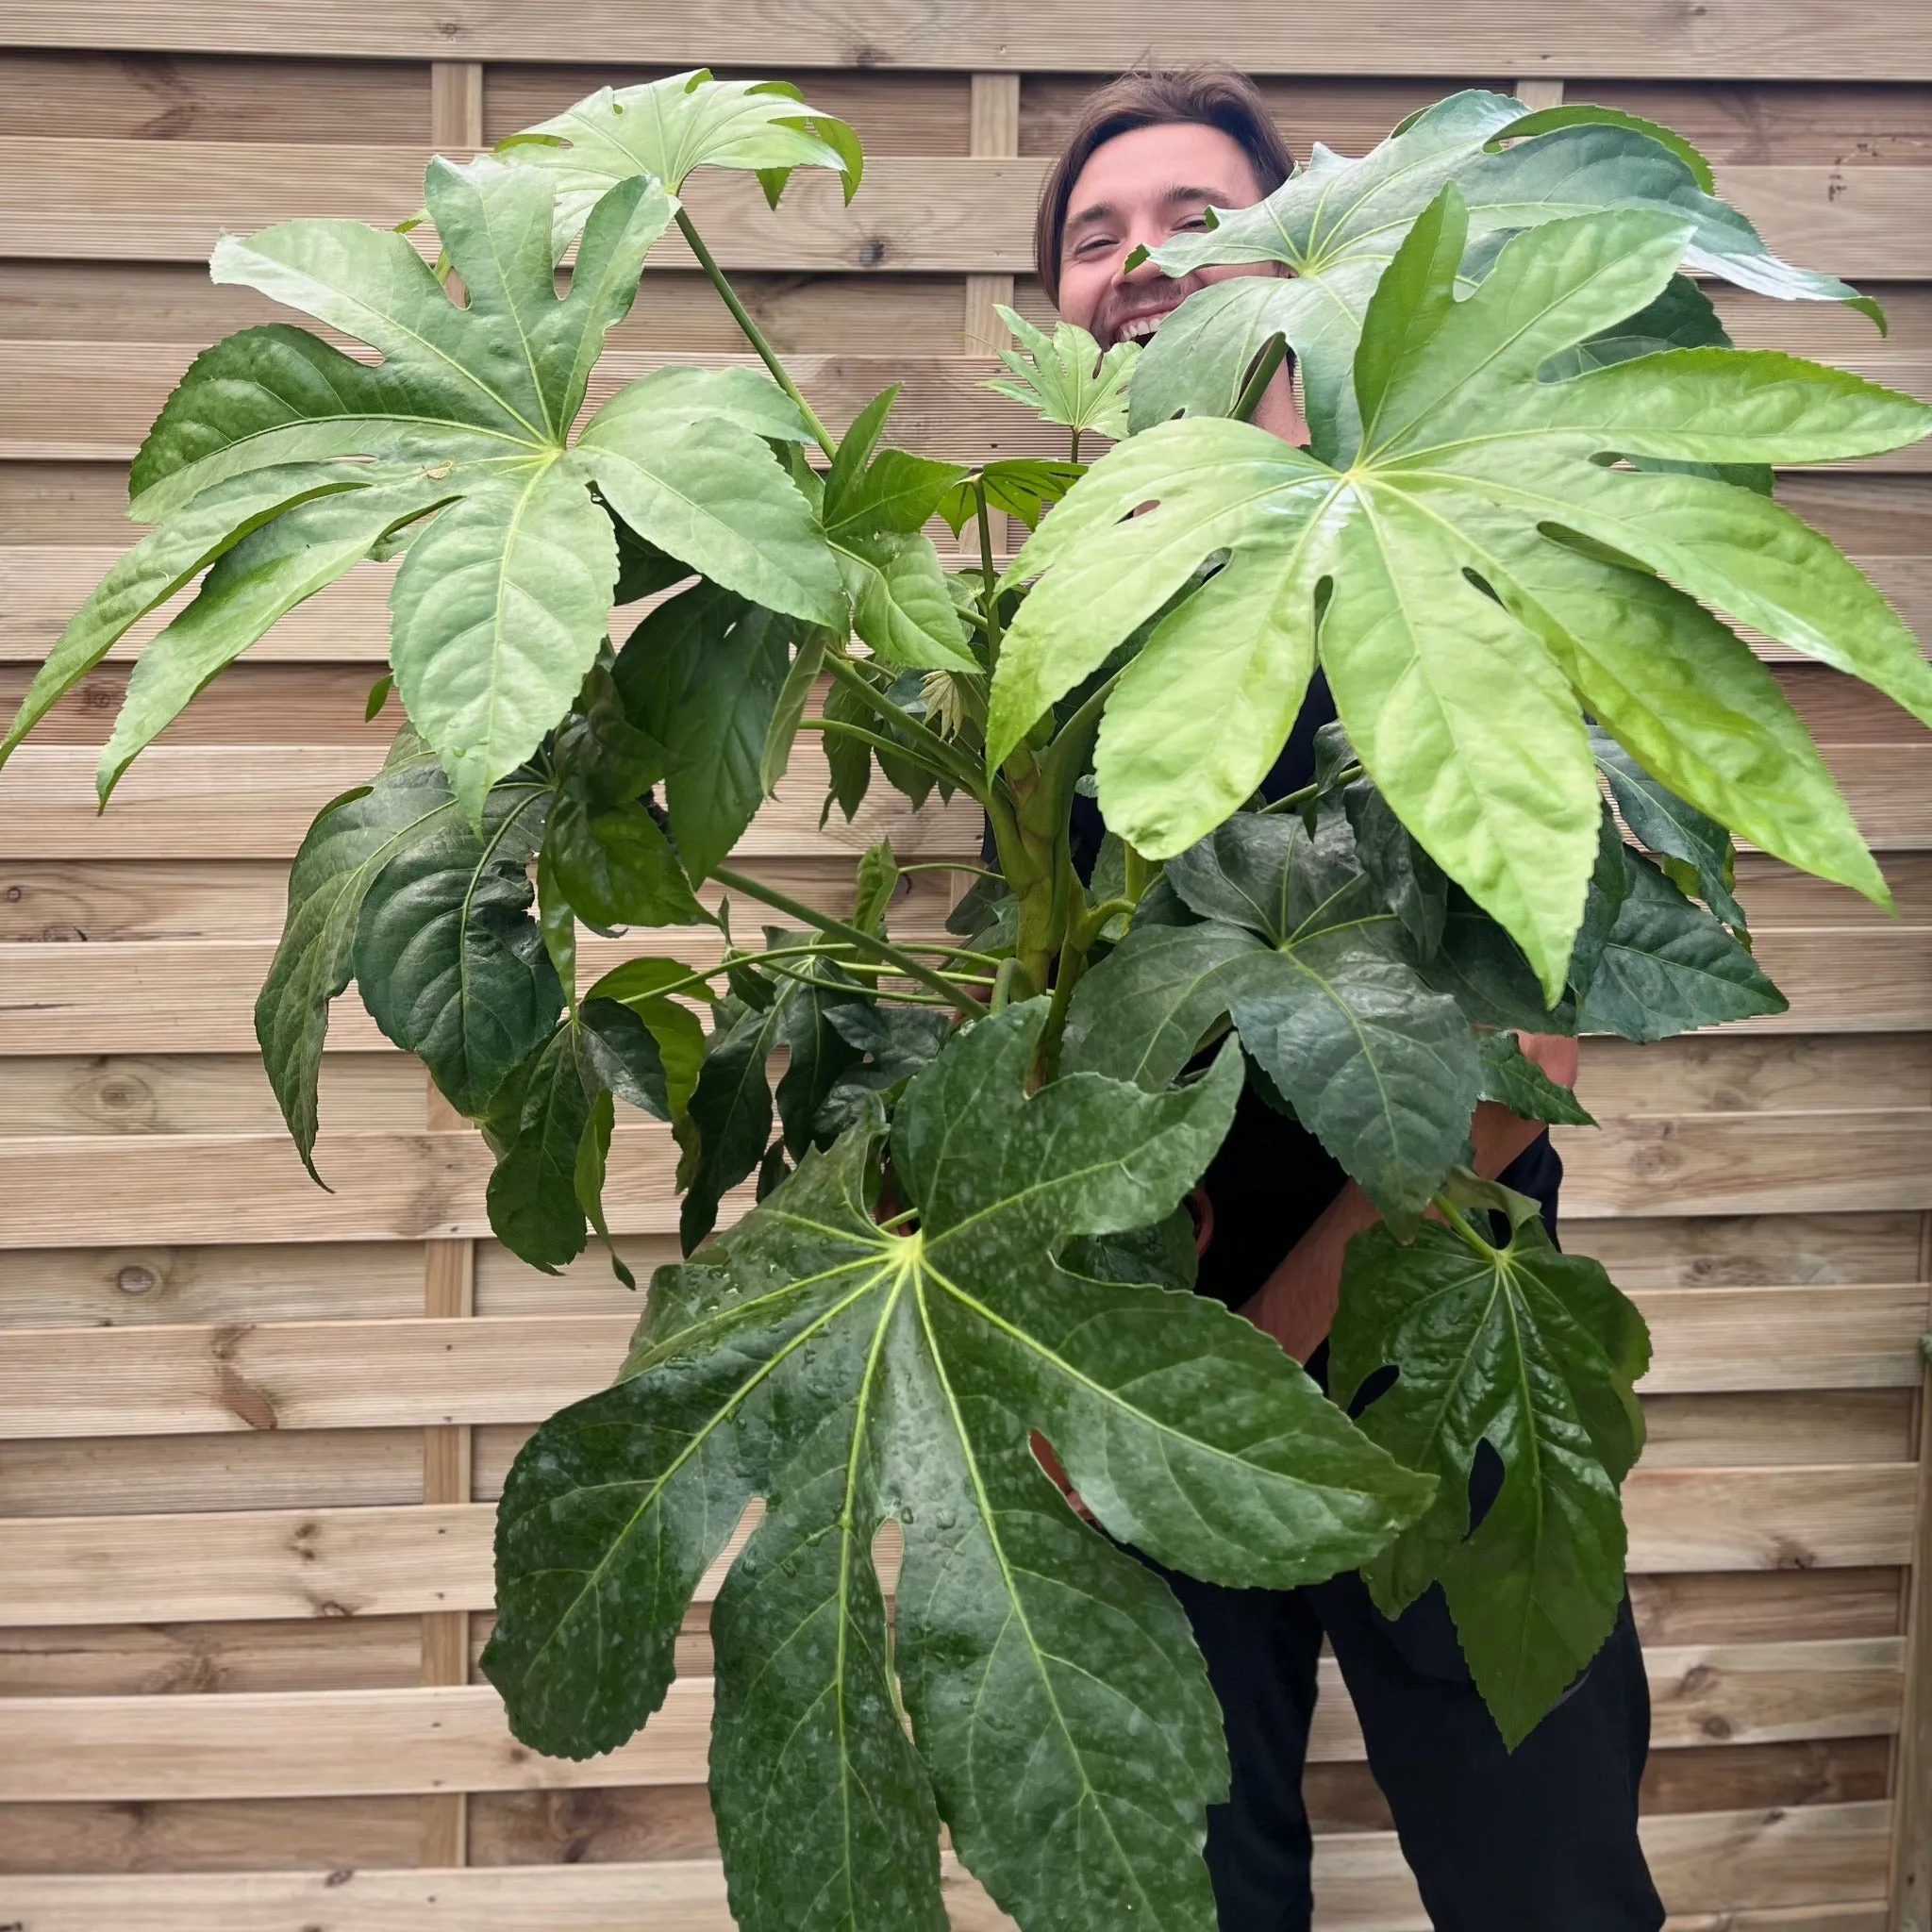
<point x="667" y="129"/>
<point x="502" y="600"/>
<point x="1297" y="946"/>
<point x="1336" y="223"/>
<point x="1060" y="1724"/>
<point x="1535" y="1353"/>
<point x="1454" y="571"/>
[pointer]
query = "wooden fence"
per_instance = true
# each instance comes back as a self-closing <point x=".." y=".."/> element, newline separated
<point x="253" y="1431"/>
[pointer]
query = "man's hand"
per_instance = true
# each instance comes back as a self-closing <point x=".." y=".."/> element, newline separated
<point x="1297" y="1302"/>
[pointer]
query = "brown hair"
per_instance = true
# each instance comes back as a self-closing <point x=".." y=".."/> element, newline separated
<point x="1208" y="96"/>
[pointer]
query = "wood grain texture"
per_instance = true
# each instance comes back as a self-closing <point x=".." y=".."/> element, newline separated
<point x="42" y="585"/>
<point x="371" y="1744"/>
<point x="448" y="1374"/>
<point x="1730" y="38"/>
<point x="147" y="998"/>
<point x="403" y="1561"/>
<point x="169" y="201"/>
<point x="1771" y="1860"/>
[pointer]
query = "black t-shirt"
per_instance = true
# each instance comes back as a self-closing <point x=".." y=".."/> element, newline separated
<point x="1272" y="1178"/>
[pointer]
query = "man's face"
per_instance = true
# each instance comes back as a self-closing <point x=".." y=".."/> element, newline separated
<point x="1138" y="190"/>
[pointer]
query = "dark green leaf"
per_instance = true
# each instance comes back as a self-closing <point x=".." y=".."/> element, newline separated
<point x="1411" y="883"/>
<point x="640" y="984"/>
<point x="448" y="959"/>
<point x="601" y="755"/>
<point x="342" y="856"/>
<point x="535" y="1209"/>
<point x="1515" y="1080"/>
<point x="1664" y="823"/>
<point x="729" y="1117"/>
<point x="1483" y="970"/>
<point x="877" y="881"/>
<point x="593" y="1154"/>
<point x="617" y="867"/>
<point x="701" y="675"/>
<point x="1667" y="966"/>
<point x="799" y="681"/>
<point x="624" y="1054"/>
<point x="848" y="1374"/>
<point x="1534" y="1352"/>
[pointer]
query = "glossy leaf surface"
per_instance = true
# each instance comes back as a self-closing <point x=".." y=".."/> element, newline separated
<point x="851" y="1374"/>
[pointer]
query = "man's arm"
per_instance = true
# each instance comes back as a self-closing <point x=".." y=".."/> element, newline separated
<point x="1296" y="1304"/>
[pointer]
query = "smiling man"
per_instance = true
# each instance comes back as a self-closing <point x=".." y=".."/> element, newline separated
<point x="1541" y="1840"/>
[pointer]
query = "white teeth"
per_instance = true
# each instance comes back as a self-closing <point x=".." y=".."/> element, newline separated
<point x="1140" y="328"/>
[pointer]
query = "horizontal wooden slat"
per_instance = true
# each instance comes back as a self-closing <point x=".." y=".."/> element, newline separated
<point x="257" y="802"/>
<point x="1686" y="1251"/>
<point x="153" y="997"/>
<point x="191" y="1380"/>
<point x="42" y="585"/>
<point x="385" y="1561"/>
<point x="89" y="402"/>
<point x="374" y="1743"/>
<point x="94" y="401"/>
<point x="1775" y="1860"/>
<point x="169" y="201"/>
<point x="1741" y="1163"/>
<point x="151" y="1188"/>
<point x="1727" y="39"/>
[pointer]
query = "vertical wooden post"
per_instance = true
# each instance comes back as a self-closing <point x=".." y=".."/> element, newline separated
<point x="1538" y="94"/>
<point x="1912" y="1760"/>
<point x="994" y="130"/>
<point x="449" y="1268"/>
<point x="456" y="106"/>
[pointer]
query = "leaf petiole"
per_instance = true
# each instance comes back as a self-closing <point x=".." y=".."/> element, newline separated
<point x="967" y="1008"/>
<point x="753" y="334"/>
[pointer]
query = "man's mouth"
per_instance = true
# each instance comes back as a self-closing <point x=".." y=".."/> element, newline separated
<point x="1140" y="328"/>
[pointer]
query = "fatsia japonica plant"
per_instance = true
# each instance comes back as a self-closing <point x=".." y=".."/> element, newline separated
<point x="1536" y="500"/>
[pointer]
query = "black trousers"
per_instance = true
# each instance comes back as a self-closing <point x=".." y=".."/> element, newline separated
<point x="1541" y="1839"/>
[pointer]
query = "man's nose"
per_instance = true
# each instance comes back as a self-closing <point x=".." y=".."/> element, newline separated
<point x="1145" y="270"/>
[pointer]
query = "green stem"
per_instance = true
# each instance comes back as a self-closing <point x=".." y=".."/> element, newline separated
<point x="1073" y="450"/>
<point x="1347" y="775"/>
<point x="950" y="865"/>
<point x="916" y="754"/>
<point x="1273" y="357"/>
<point x="962" y="771"/>
<point x="866" y="942"/>
<point x="1459" y="1222"/>
<point x="1139" y="875"/>
<point x="753" y="334"/>
<point x="916" y="999"/>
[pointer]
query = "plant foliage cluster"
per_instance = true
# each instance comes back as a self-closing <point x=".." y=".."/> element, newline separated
<point x="1536" y="501"/>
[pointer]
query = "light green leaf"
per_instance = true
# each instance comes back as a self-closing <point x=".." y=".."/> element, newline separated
<point x="497" y="613"/>
<point x="901" y="605"/>
<point x="1534" y="1352"/>
<point x="260" y="580"/>
<point x="1337" y="223"/>
<point x="478" y="399"/>
<point x="343" y="853"/>
<point x="163" y="562"/>
<point x="671" y="127"/>
<point x="681" y="457"/>
<point x="1065" y="378"/>
<point x="1027" y="1645"/>
<point x="807" y="663"/>
<point x="1438" y="563"/>
<point x="449" y="962"/>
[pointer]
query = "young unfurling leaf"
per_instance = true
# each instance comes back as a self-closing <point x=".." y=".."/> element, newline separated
<point x="1066" y="378"/>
